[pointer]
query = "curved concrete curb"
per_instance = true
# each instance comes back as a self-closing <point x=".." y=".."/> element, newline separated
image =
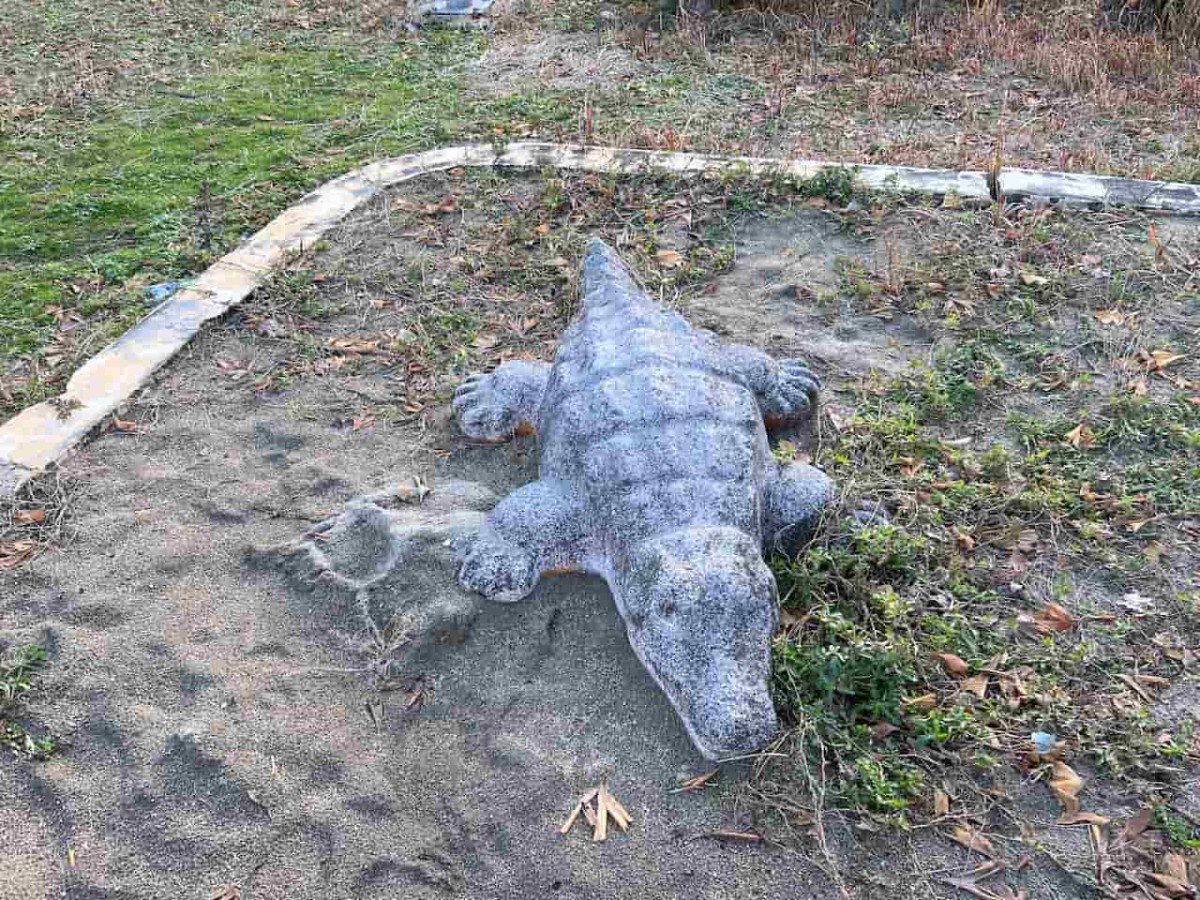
<point x="37" y="437"/>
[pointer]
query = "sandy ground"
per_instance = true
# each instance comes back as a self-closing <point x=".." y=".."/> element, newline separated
<point x="226" y="720"/>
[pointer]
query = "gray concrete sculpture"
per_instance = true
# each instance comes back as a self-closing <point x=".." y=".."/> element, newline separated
<point x="656" y="474"/>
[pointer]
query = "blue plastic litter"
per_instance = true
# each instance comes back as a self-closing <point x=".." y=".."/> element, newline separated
<point x="161" y="291"/>
<point x="1043" y="741"/>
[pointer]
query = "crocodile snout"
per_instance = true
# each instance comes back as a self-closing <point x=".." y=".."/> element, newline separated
<point x="700" y="608"/>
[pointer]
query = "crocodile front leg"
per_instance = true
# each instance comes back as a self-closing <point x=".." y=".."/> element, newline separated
<point x="786" y="389"/>
<point x="795" y="500"/>
<point x="495" y="407"/>
<point x="537" y="529"/>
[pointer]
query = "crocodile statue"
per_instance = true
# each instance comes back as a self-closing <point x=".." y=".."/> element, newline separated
<point x="655" y="473"/>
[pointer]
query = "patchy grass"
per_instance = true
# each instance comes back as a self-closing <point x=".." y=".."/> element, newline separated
<point x="19" y="670"/>
<point x="154" y="190"/>
<point x="1036" y="574"/>
<point x="163" y="143"/>
<point x="468" y="271"/>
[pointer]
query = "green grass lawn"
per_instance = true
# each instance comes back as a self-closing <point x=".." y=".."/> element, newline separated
<point x="98" y="201"/>
<point x="154" y="187"/>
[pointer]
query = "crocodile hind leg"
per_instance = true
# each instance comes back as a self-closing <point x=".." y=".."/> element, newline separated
<point x="539" y="528"/>
<point x="495" y="407"/>
<point x="792" y="505"/>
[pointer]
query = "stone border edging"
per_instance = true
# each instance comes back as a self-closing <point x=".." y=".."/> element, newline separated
<point x="37" y="437"/>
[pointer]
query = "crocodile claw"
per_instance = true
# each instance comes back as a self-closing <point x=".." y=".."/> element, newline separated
<point x="498" y="570"/>
<point x="481" y="412"/>
<point x="794" y="394"/>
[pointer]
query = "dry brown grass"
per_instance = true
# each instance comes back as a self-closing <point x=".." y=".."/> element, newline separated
<point x="1071" y="47"/>
<point x="1072" y="50"/>
<point x="1181" y="19"/>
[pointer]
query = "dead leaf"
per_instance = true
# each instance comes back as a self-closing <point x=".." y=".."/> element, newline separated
<point x="579" y="807"/>
<point x="953" y="665"/>
<point x="125" y="426"/>
<point x="1034" y="280"/>
<point x="1163" y="358"/>
<point x="445" y="205"/>
<point x="1175" y="865"/>
<point x="1109" y="316"/>
<point x="354" y="345"/>
<point x="226" y="892"/>
<point x="1081" y="436"/>
<point x="13" y="553"/>
<point x="1160" y="250"/>
<point x="598" y="806"/>
<point x="669" y="259"/>
<point x="1153" y="680"/>
<point x="790" y="618"/>
<point x="977" y="685"/>
<point x="971" y="839"/>
<point x="881" y="730"/>
<point x="1170" y="886"/>
<point x="619" y="814"/>
<point x="1066" y="785"/>
<point x="693" y="784"/>
<point x="964" y="541"/>
<point x="29" y="516"/>
<point x="924" y="702"/>
<point x="1146" y="696"/>
<point x="909" y="466"/>
<point x="414" y="492"/>
<point x="1135" y="825"/>
<point x="941" y="803"/>
<point x="1053" y="617"/>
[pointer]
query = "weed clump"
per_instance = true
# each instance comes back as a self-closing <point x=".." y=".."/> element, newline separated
<point x="18" y="673"/>
<point x="856" y="649"/>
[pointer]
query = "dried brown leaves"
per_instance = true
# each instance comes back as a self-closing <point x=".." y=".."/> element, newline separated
<point x="598" y="806"/>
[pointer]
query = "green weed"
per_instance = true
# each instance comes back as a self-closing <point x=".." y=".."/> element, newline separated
<point x="18" y="674"/>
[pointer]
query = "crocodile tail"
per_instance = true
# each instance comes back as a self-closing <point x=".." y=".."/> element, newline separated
<point x="608" y="285"/>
